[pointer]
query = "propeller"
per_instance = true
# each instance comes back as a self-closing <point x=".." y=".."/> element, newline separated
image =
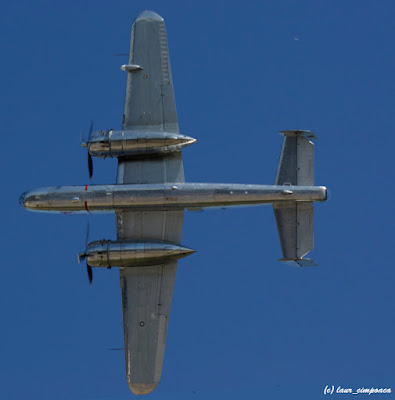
<point x="90" y="163"/>
<point x="82" y="256"/>
<point x="86" y="144"/>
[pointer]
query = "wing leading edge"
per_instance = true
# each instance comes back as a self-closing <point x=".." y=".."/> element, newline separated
<point x="147" y="291"/>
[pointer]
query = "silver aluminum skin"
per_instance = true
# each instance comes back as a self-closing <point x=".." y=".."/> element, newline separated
<point x="150" y="196"/>
<point x="113" y="143"/>
<point x="107" y="254"/>
<point x="163" y="196"/>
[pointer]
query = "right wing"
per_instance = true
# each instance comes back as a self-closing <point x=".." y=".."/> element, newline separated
<point x="147" y="291"/>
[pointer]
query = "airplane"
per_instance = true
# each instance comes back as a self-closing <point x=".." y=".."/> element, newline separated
<point x="151" y="195"/>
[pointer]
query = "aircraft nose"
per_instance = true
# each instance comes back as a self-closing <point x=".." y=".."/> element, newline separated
<point x="32" y="200"/>
<point x="22" y="199"/>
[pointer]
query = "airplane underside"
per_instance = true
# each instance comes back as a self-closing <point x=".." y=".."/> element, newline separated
<point x="150" y="196"/>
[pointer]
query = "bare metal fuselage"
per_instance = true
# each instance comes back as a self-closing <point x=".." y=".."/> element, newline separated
<point x="150" y="178"/>
<point x="163" y="196"/>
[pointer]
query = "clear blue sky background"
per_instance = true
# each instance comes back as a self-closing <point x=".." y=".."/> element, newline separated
<point x="242" y="325"/>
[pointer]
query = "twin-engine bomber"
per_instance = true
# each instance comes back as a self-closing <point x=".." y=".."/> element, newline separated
<point x="150" y="196"/>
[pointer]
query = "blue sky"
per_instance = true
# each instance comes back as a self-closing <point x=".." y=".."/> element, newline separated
<point x="242" y="324"/>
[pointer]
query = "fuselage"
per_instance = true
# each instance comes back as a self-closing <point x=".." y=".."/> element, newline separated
<point x="163" y="196"/>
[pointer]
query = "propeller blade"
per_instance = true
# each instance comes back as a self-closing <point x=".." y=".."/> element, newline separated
<point x="87" y="235"/>
<point x="90" y="129"/>
<point x="90" y="165"/>
<point x="85" y="143"/>
<point x="89" y="270"/>
<point x="81" y="257"/>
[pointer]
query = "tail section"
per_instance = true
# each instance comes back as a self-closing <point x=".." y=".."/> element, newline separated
<point x="296" y="230"/>
<point x="295" y="220"/>
<point x="296" y="166"/>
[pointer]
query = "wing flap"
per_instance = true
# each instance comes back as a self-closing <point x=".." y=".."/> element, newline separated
<point x="164" y="226"/>
<point x="151" y="170"/>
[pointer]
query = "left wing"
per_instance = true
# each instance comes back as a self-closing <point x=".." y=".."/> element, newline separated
<point x="146" y="291"/>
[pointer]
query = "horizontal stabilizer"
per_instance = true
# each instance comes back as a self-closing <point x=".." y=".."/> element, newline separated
<point x="296" y="166"/>
<point x="299" y="262"/>
<point x="295" y="224"/>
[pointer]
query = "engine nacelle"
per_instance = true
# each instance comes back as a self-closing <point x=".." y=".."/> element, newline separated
<point x="105" y="253"/>
<point x="113" y="143"/>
